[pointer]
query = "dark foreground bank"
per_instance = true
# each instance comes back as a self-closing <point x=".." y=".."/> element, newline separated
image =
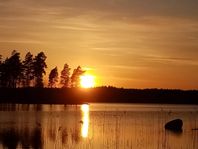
<point x="99" y="95"/>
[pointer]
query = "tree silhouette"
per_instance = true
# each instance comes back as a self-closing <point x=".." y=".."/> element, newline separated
<point x="75" y="78"/>
<point x="3" y="74"/>
<point x="30" y="72"/>
<point x="28" y="66"/>
<point x="0" y="59"/>
<point x="39" y="66"/>
<point x="1" y="70"/>
<point x="64" y="78"/>
<point x="12" y="71"/>
<point x="53" y="77"/>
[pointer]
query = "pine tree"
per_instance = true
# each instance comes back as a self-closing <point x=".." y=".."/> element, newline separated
<point x="12" y="71"/>
<point x="53" y="78"/>
<point x="28" y="66"/>
<point x="39" y="66"/>
<point x="75" y="78"/>
<point x="65" y="76"/>
<point x="1" y="70"/>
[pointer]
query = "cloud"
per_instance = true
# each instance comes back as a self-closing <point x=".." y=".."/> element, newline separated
<point x="111" y="8"/>
<point x="183" y="61"/>
<point x="121" y="34"/>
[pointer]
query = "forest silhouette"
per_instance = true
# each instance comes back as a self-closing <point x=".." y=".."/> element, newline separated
<point x="15" y="73"/>
<point x="22" y="82"/>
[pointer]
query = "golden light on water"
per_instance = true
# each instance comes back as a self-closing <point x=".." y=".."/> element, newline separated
<point x="85" y="120"/>
<point x="87" y="81"/>
<point x="85" y="108"/>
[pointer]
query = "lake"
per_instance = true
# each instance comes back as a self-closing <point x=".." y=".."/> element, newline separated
<point x="97" y="126"/>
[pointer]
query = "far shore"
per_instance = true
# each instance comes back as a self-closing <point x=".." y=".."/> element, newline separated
<point x="96" y="95"/>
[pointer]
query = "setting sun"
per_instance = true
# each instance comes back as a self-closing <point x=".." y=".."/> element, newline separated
<point x="87" y="81"/>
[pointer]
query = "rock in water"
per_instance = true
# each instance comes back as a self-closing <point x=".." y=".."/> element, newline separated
<point x="174" y="125"/>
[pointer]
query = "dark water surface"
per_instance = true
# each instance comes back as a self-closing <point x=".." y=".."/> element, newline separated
<point x="97" y="126"/>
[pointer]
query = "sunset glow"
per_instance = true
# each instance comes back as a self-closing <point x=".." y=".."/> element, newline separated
<point x="125" y="43"/>
<point x="87" y="81"/>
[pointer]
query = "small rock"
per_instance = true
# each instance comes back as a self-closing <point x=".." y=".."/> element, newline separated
<point x="174" y="125"/>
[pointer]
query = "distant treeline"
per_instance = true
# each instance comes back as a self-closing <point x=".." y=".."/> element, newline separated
<point x="15" y="73"/>
<point x="98" y="95"/>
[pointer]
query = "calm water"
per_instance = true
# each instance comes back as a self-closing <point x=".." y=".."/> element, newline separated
<point x="97" y="126"/>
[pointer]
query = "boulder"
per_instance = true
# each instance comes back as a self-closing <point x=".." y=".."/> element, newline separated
<point x="174" y="125"/>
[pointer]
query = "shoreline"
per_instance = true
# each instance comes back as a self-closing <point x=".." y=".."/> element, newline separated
<point x="96" y="95"/>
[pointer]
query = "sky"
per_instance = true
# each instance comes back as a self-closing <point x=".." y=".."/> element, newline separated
<point x="124" y="43"/>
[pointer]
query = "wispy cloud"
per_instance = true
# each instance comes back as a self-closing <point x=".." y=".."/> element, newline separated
<point x="173" y="60"/>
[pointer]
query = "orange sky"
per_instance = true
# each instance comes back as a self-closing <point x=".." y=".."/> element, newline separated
<point x="125" y="43"/>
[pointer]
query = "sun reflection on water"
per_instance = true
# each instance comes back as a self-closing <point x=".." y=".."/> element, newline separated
<point x="85" y="120"/>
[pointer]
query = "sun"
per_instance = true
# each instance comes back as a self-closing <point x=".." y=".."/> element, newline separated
<point x="87" y="81"/>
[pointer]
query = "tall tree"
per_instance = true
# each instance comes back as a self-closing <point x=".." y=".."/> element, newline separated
<point x="65" y="76"/>
<point x="53" y="77"/>
<point x="12" y="71"/>
<point x="16" y="69"/>
<point x="75" y="78"/>
<point x="1" y="70"/>
<point x="0" y="59"/>
<point x="28" y="66"/>
<point x="4" y="73"/>
<point x="39" y="66"/>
